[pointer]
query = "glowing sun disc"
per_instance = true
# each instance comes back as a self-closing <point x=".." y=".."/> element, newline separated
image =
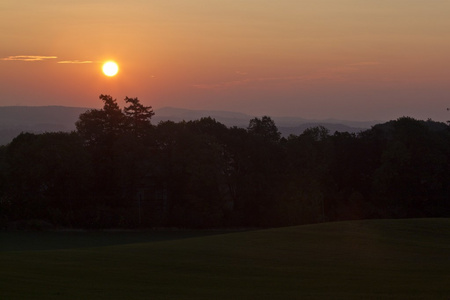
<point x="110" y="68"/>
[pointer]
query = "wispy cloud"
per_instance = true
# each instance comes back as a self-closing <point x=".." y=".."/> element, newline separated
<point x="242" y="73"/>
<point x="76" y="62"/>
<point x="248" y="81"/>
<point x="28" y="57"/>
<point x="337" y="74"/>
<point x="366" y="63"/>
<point x="44" y="57"/>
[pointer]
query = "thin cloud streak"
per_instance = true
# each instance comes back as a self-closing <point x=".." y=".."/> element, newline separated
<point x="336" y="74"/>
<point x="234" y="83"/>
<point x="28" y="58"/>
<point x="366" y="63"/>
<point x="328" y="74"/>
<point x="33" y="58"/>
<point x="242" y="73"/>
<point x="76" y="62"/>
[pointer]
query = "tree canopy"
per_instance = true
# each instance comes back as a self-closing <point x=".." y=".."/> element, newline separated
<point x="119" y="170"/>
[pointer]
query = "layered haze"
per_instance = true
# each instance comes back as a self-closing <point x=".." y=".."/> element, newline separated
<point x="353" y="60"/>
<point x="40" y="119"/>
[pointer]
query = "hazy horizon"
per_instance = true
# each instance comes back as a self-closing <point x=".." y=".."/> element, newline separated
<point x="325" y="59"/>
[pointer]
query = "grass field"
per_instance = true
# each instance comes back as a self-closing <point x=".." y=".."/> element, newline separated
<point x="376" y="259"/>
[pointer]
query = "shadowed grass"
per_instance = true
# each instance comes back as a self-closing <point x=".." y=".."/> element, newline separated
<point x="52" y="240"/>
<point x="393" y="259"/>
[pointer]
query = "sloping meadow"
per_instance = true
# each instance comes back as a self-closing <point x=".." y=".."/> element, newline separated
<point x="393" y="259"/>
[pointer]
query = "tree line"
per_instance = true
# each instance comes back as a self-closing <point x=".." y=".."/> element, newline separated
<point x="119" y="170"/>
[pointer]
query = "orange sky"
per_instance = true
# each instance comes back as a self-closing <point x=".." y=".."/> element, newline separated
<point x="347" y="59"/>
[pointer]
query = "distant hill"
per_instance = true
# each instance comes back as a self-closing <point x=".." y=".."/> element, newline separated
<point x="286" y="125"/>
<point x="179" y="114"/>
<point x="39" y="119"/>
<point x="36" y="119"/>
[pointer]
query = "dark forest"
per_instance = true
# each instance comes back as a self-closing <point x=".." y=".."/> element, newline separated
<point x="118" y="170"/>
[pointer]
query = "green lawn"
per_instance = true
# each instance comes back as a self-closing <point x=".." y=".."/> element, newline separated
<point x="379" y="259"/>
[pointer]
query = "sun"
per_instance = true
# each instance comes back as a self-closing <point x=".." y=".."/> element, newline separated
<point x="110" y="68"/>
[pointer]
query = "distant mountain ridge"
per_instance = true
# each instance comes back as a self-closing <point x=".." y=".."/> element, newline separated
<point x="36" y="119"/>
<point x="287" y="125"/>
<point x="39" y="119"/>
<point x="180" y="114"/>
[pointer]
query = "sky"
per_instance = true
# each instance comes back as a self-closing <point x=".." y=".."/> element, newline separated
<point x="360" y="60"/>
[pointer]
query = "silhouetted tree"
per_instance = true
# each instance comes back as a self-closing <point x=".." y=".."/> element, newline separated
<point x="208" y="175"/>
<point x="102" y="127"/>
<point x="194" y="162"/>
<point x="48" y="176"/>
<point x="414" y="168"/>
<point x="138" y="117"/>
<point x="264" y="128"/>
<point x="264" y="170"/>
<point x="5" y="203"/>
<point x="308" y="177"/>
<point x="350" y="173"/>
